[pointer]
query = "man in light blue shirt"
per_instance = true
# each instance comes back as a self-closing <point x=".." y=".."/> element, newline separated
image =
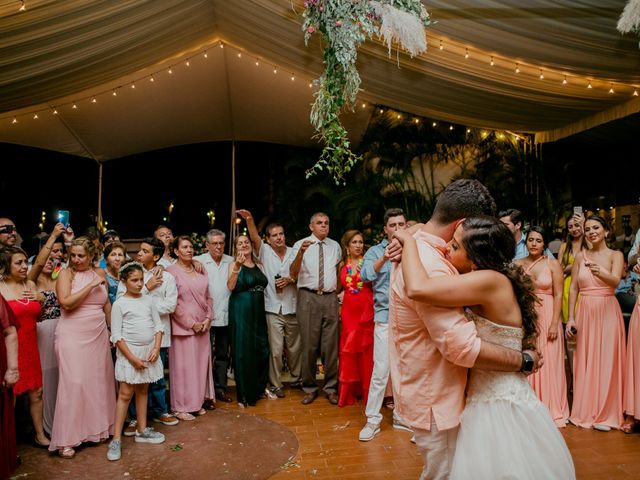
<point x="514" y="220"/>
<point x="376" y="268"/>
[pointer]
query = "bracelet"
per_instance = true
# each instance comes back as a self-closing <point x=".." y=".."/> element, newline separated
<point x="235" y="271"/>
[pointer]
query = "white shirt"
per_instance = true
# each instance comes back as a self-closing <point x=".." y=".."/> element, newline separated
<point x="635" y="246"/>
<point x="308" y="276"/>
<point x="165" y="262"/>
<point x="218" y="276"/>
<point x="165" y="298"/>
<point x="135" y="320"/>
<point x="285" y="302"/>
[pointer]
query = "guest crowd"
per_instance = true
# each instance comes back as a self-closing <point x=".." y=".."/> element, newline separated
<point x="89" y="332"/>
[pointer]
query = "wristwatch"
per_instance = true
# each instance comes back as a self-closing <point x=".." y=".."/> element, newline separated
<point x="527" y="363"/>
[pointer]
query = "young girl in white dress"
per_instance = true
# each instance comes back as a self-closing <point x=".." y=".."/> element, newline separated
<point x="136" y="330"/>
<point x="505" y="431"/>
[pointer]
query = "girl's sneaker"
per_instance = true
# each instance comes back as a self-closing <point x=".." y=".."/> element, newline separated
<point x="114" y="450"/>
<point x="149" y="436"/>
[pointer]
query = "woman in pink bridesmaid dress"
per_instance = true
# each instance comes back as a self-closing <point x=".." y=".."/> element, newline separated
<point x="632" y="383"/>
<point x="599" y="362"/>
<point x="86" y="399"/>
<point x="550" y="382"/>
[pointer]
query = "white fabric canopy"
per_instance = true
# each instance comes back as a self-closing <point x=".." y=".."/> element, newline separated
<point x="57" y="53"/>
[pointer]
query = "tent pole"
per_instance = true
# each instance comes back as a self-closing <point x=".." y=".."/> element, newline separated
<point x="99" y="219"/>
<point x="233" y="230"/>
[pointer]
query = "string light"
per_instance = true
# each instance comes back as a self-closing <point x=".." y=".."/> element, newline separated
<point x="222" y="45"/>
<point x="635" y="93"/>
<point x="74" y="106"/>
<point x="35" y="116"/>
<point x="205" y="55"/>
<point x="257" y="63"/>
<point x="541" y="77"/>
<point x="434" y="124"/>
<point x="417" y="120"/>
<point x="93" y="100"/>
<point x="441" y="45"/>
<point x="611" y="91"/>
<point x="14" y="121"/>
<point x="310" y="85"/>
<point x="275" y="70"/>
<point x="398" y="116"/>
<point x="133" y="85"/>
<point x="589" y="85"/>
<point x="239" y="55"/>
<point x="564" y="81"/>
<point x="381" y="111"/>
<point x="151" y="79"/>
<point x="364" y="105"/>
<point x="466" y="53"/>
<point x="293" y="78"/>
<point x="450" y="127"/>
<point x="468" y="130"/>
<point x="517" y="68"/>
<point x="187" y="63"/>
<point x="55" y="112"/>
<point x="492" y="63"/>
<point x="115" y="94"/>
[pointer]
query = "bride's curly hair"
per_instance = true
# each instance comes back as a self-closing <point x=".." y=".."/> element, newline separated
<point x="490" y="245"/>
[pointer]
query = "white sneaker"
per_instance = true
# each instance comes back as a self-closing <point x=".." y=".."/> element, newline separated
<point x="149" y="436"/>
<point x="114" y="452"/>
<point x="602" y="427"/>
<point x="398" y="425"/>
<point x="368" y="432"/>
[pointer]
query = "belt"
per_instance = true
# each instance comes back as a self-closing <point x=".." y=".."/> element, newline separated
<point x="317" y="292"/>
<point x="257" y="288"/>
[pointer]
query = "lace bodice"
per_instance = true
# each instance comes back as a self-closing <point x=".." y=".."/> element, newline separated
<point x="488" y="386"/>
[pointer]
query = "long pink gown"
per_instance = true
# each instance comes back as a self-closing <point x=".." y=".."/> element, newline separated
<point x="599" y="361"/>
<point x="632" y="385"/>
<point x="190" y="370"/>
<point x="86" y="400"/>
<point x="550" y="382"/>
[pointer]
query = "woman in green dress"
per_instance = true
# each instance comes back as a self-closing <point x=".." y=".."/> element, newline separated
<point x="248" y="325"/>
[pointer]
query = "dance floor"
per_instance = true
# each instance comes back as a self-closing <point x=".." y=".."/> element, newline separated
<point x="328" y="448"/>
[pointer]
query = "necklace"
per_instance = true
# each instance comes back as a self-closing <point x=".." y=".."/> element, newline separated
<point x="182" y="266"/>
<point x="351" y="278"/>
<point x="21" y="301"/>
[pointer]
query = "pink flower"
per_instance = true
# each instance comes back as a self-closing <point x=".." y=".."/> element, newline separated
<point x="338" y="23"/>
<point x="310" y="29"/>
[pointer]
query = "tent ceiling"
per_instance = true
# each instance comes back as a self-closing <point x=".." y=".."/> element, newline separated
<point x="57" y="53"/>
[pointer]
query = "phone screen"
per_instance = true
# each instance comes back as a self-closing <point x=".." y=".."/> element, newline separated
<point x="63" y="217"/>
<point x="577" y="210"/>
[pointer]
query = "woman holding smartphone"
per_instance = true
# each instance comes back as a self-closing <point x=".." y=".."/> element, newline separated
<point x="595" y="319"/>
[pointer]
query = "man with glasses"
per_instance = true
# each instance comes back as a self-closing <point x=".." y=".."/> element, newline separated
<point x="8" y="233"/>
<point x="216" y="263"/>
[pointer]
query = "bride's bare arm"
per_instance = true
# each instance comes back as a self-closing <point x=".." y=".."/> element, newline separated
<point x="473" y="288"/>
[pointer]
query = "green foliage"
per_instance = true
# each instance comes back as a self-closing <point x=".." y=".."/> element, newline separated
<point x="344" y="26"/>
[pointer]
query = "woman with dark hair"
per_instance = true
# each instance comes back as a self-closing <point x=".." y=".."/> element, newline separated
<point x="23" y="299"/>
<point x="570" y="248"/>
<point x="115" y="254"/>
<point x="505" y="430"/>
<point x="248" y="324"/>
<point x="595" y="319"/>
<point x="356" y="335"/>
<point x="550" y="382"/>
<point x="190" y="375"/>
<point x="86" y="398"/>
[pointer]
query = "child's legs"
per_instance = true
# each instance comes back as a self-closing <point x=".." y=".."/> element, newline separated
<point x="158" y="392"/>
<point x="124" y="397"/>
<point x="141" y="406"/>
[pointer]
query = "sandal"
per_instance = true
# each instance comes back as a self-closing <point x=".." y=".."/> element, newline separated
<point x="184" y="416"/>
<point x="66" y="452"/>
<point x="629" y="427"/>
<point x="201" y="412"/>
<point x="38" y="444"/>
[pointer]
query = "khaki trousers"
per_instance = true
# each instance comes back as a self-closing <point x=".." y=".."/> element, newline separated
<point x="283" y="328"/>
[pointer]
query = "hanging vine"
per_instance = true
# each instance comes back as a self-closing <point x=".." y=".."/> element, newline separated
<point x="344" y="26"/>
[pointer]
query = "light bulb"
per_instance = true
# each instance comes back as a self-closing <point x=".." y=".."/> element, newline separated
<point x="468" y="130"/>
<point x="74" y="106"/>
<point x="611" y="90"/>
<point x="133" y="85"/>
<point x="417" y="120"/>
<point x="635" y="93"/>
<point x="275" y="70"/>
<point x="93" y="100"/>
<point x="434" y="124"/>
<point x="115" y="94"/>
<point x="151" y="79"/>
<point x="205" y="55"/>
<point x="517" y="68"/>
<point x="564" y="81"/>
<point x="170" y="72"/>
<point x="55" y="112"/>
<point x="293" y="78"/>
<point x="589" y="85"/>
<point x="310" y="85"/>
<point x="239" y="55"/>
<point x="35" y="116"/>
<point x="492" y="63"/>
<point x="14" y="121"/>
<point x="257" y="63"/>
<point x="441" y="45"/>
<point x="450" y="127"/>
<point x="222" y="45"/>
<point x="466" y="54"/>
<point x="398" y="116"/>
<point x="364" y="105"/>
<point x="541" y="75"/>
<point x="187" y="63"/>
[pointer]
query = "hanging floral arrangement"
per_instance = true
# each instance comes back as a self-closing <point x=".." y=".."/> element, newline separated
<point x="344" y="25"/>
<point x="630" y="18"/>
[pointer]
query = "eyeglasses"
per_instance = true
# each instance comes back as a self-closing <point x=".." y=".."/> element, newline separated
<point x="215" y="243"/>
<point x="7" y="228"/>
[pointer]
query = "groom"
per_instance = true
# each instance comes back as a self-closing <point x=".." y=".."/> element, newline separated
<point x="431" y="348"/>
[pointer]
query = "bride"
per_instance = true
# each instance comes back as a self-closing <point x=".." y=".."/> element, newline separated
<point x="505" y="431"/>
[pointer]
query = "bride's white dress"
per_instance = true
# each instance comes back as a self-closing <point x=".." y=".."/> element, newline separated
<point x="505" y="431"/>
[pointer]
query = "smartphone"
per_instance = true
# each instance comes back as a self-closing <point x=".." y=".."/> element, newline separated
<point x="577" y="210"/>
<point x="573" y="330"/>
<point x="63" y="217"/>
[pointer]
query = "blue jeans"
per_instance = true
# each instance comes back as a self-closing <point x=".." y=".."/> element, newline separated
<point x="157" y="396"/>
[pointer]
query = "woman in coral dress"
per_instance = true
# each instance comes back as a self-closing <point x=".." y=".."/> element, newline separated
<point x="20" y="293"/>
<point x="86" y="399"/>
<point x="550" y="382"/>
<point x="632" y="383"/>
<point x="356" y="335"/>
<point x="599" y="362"/>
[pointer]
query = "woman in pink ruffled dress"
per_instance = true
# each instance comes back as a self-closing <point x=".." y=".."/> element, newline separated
<point x="600" y="357"/>
<point x="86" y="399"/>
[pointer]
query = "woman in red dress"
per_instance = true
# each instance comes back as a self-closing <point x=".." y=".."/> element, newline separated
<point x="22" y="297"/>
<point x="8" y="377"/>
<point x="356" y="336"/>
